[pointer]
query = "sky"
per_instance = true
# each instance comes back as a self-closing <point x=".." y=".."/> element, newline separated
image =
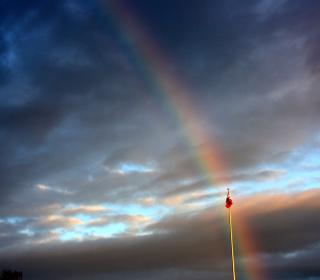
<point x="123" y="123"/>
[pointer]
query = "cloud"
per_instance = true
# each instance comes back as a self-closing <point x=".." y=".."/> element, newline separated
<point x="84" y="209"/>
<point x="101" y="221"/>
<point x="196" y="190"/>
<point x="131" y="168"/>
<point x="44" y="188"/>
<point x="134" y="223"/>
<point x="194" y="242"/>
<point x="78" y="97"/>
<point x="74" y="114"/>
<point x="57" y="221"/>
<point x="147" y="201"/>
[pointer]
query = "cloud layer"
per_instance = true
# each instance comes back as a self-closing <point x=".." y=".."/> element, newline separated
<point x="283" y="228"/>
<point x="96" y="165"/>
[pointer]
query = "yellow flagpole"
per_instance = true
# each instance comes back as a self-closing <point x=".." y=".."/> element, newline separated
<point x="232" y="251"/>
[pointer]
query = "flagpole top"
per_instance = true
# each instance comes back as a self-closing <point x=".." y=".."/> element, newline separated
<point x="228" y="199"/>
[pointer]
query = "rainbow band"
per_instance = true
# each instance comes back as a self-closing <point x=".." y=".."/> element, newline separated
<point x="205" y="149"/>
<point x="155" y="67"/>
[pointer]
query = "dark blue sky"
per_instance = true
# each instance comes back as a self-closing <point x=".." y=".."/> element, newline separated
<point x="100" y="173"/>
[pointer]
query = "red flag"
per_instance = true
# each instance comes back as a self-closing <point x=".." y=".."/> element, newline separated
<point x="228" y="200"/>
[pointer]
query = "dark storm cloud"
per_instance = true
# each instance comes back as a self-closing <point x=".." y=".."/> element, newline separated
<point x="4" y="70"/>
<point x="292" y="20"/>
<point x="193" y="242"/>
<point x="267" y="54"/>
<point x="77" y="71"/>
<point x="62" y="85"/>
<point x="10" y="234"/>
<point x="272" y="58"/>
<point x="204" y="37"/>
<point x="76" y="103"/>
<point x="300" y="265"/>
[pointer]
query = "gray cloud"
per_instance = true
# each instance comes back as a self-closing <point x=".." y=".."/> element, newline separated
<point x="196" y="242"/>
<point x="79" y="93"/>
<point x="78" y="97"/>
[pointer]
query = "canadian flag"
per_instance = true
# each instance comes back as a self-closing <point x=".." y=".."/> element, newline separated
<point x="228" y="200"/>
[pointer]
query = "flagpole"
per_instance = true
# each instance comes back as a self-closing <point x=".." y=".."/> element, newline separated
<point x="228" y="206"/>
<point x="231" y="241"/>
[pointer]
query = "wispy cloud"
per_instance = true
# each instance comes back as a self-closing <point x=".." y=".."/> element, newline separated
<point x="84" y="209"/>
<point x="56" y="221"/>
<point x="46" y="188"/>
<point x="127" y="168"/>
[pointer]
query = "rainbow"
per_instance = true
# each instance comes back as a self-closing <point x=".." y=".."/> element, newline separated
<point x="172" y="88"/>
<point x="205" y="149"/>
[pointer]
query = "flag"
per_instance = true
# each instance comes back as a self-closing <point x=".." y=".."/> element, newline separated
<point x="228" y="200"/>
